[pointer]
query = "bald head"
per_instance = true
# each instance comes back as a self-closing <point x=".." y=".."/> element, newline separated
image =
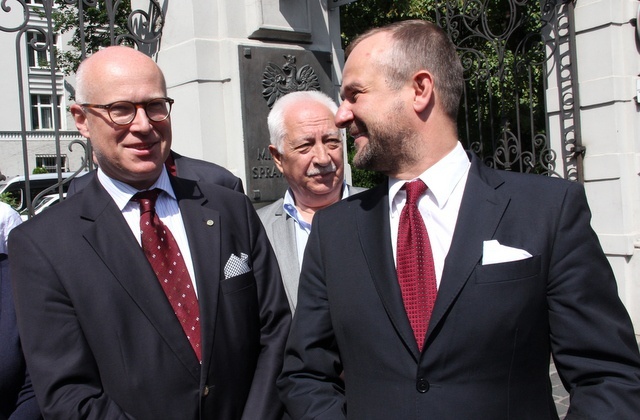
<point x="112" y="81"/>
<point x="112" y="65"/>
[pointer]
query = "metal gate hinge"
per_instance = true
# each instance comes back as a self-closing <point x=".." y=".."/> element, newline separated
<point x="579" y="150"/>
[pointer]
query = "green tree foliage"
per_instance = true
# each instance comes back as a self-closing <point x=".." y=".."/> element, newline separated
<point x="357" y="17"/>
<point x="9" y="199"/>
<point x="39" y="170"/>
<point x="98" y="26"/>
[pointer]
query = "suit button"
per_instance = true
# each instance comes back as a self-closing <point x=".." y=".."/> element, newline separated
<point x="205" y="391"/>
<point x="422" y="386"/>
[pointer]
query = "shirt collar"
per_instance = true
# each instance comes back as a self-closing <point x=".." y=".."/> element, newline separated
<point x="289" y="206"/>
<point x="122" y="192"/>
<point x="345" y="190"/>
<point x="291" y="210"/>
<point x="441" y="178"/>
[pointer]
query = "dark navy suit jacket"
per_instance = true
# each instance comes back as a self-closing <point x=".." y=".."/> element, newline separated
<point x="17" y="400"/>
<point x="493" y="327"/>
<point x="100" y="336"/>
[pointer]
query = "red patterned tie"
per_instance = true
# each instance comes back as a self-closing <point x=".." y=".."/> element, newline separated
<point x="416" y="273"/>
<point x="165" y="258"/>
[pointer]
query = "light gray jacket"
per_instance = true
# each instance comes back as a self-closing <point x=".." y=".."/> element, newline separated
<point x="280" y="229"/>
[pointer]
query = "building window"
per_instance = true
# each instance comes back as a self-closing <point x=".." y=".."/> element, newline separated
<point x="48" y="162"/>
<point x="42" y="112"/>
<point x="38" y="52"/>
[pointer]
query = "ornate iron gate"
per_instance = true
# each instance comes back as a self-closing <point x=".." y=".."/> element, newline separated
<point x="35" y="29"/>
<point x="518" y="56"/>
<point x="511" y="51"/>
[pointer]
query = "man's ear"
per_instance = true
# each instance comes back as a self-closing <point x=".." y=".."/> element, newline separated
<point x="277" y="157"/>
<point x="422" y="84"/>
<point x="80" y="119"/>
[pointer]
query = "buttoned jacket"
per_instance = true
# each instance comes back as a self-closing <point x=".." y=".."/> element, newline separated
<point x="100" y="337"/>
<point x="352" y="352"/>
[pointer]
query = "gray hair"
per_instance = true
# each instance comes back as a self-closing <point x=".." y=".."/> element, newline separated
<point x="275" y="120"/>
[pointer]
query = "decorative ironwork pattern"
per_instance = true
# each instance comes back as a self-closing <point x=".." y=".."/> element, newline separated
<point x="507" y="58"/>
<point x="562" y="53"/>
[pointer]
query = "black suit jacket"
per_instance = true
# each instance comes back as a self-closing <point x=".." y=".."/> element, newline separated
<point x="186" y="167"/>
<point x="17" y="400"/>
<point x="100" y="337"/>
<point x="486" y="353"/>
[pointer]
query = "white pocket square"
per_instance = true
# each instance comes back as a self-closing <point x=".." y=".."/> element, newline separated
<point x="494" y="253"/>
<point x="236" y="265"/>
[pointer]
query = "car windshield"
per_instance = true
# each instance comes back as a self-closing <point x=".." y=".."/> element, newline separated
<point x="44" y="202"/>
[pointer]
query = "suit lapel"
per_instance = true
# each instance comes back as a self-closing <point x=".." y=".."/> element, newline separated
<point x="372" y="220"/>
<point x="285" y="235"/>
<point x="128" y="264"/>
<point x="182" y="170"/>
<point x="480" y="213"/>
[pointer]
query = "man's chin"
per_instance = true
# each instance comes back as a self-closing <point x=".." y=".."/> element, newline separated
<point x="324" y="188"/>
<point x="143" y="177"/>
<point x="362" y="159"/>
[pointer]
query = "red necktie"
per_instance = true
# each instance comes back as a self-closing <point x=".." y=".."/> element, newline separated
<point x="165" y="258"/>
<point x="416" y="273"/>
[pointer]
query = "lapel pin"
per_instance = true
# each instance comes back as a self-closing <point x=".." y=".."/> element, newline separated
<point x="210" y="222"/>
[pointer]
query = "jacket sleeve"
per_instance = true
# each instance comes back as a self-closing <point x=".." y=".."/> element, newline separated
<point x="592" y="339"/>
<point x="26" y="406"/>
<point x="310" y="385"/>
<point x="275" y="320"/>
<point x="64" y="374"/>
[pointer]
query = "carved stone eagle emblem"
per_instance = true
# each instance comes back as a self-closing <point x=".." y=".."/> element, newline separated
<point x="278" y="81"/>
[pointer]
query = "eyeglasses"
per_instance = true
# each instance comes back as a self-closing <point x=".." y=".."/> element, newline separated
<point x="124" y="112"/>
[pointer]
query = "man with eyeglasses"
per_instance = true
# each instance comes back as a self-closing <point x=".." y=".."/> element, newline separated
<point x="112" y="330"/>
<point x="177" y="165"/>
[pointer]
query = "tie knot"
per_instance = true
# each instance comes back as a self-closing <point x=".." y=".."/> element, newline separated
<point x="146" y="199"/>
<point x="415" y="189"/>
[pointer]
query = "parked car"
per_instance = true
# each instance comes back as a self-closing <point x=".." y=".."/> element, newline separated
<point x="42" y="204"/>
<point x="17" y="189"/>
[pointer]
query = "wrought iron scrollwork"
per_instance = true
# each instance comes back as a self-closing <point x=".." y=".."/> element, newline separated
<point x="143" y="30"/>
<point x="11" y="20"/>
<point x="506" y="52"/>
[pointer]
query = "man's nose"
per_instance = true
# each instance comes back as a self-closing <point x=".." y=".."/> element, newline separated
<point x="141" y="121"/>
<point x="344" y="116"/>
<point x="321" y="155"/>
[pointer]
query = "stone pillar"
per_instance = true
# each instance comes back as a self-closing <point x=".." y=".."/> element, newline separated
<point x="224" y="62"/>
<point x="608" y="66"/>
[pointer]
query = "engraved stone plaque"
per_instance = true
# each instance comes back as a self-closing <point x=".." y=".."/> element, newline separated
<point x="265" y="75"/>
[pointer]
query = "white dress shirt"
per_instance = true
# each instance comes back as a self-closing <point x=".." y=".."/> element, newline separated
<point x="9" y="218"/>
<point x="166" y="207"/>
<point x="439" y="207"/>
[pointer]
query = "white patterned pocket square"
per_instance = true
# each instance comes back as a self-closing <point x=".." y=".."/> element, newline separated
<point x="494" y="253"/>
<point x="236" y="265"/>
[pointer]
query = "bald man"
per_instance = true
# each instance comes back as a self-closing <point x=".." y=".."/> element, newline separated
<point x="103" y="328"/>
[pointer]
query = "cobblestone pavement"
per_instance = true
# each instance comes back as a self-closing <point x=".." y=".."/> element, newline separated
<point x="560" y="395"/>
